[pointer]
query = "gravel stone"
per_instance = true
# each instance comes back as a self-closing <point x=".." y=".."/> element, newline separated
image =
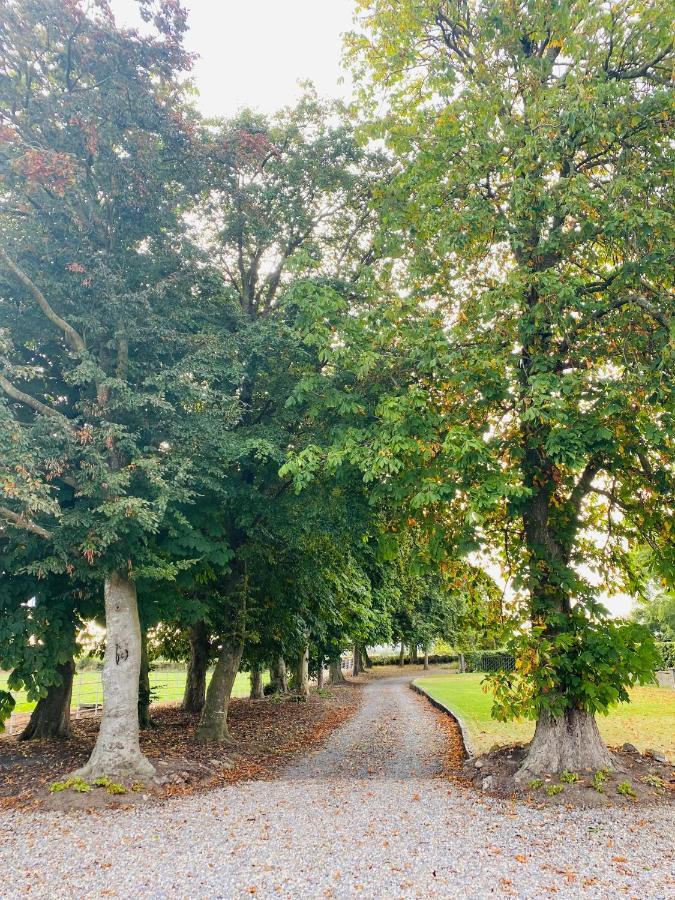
<point x="370" y="815"/>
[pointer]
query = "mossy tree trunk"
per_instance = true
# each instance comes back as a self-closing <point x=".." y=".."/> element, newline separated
<point x="257" y="690"/>
<point x="50" y="720"/>
<point x="278" y="675"/>
<point x="198" y="664"/>
<point x="335" y="675"/>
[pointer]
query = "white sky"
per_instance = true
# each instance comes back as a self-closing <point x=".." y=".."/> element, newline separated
<point x="254" y="53"/>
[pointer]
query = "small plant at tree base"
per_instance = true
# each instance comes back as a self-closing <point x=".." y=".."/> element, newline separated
<point x="136" y="787"/>
<point x="103" y="781"/>
<point x="653" y="781"/>
<point x="554" y="789"/>
<point x="57" y="787"/>
<point x="326" y="694"/>
<point x="113" y="788"/>
<point x="570" y="777"/>
<point x="536" y="783"/>
<point x="76" y="784"/>
<point x="599" y="779"/>
<point x="626" y="789"/>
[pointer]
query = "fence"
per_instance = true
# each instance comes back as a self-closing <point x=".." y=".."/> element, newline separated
<point x="87" y="698"/>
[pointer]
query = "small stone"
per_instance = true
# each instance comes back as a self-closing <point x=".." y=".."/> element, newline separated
<point x="487" y="783"/>
<point x="629" y="748"/>
<point x="659" y="757"/>
<point x="479" y="764"/>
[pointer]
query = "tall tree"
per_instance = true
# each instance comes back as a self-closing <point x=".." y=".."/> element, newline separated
<point x="532" y="219"/>
<point x="93" y="140"/>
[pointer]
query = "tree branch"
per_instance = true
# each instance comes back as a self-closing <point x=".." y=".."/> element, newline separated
<point x="27" y="400"/>
<point x="22" y="522"/>
<point x="73" y="338"/>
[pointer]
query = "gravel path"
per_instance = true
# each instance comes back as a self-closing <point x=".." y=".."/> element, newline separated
<point x="368" y="816"/>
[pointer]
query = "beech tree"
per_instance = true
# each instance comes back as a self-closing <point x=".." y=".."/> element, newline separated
<point x="93" y="137"/>
<point x="531" y="219"/>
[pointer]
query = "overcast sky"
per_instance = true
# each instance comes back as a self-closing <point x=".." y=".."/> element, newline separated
<point x="254" y="53"/>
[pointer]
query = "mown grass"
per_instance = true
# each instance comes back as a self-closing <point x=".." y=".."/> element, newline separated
<point x="648" y="721"/>
<point x="167" y="687"/>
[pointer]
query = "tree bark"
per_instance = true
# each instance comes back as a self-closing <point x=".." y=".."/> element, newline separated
<point x="51" y="717"/>
<point x="144" y="696"/>
<point x="195" y="685"/>
<point x="426" y="659"/>
<point x="365" y="659"/>
<point x="356" y="661"/>
<point x="117" y="752"/>
<point x="257" y="692"/>
<point x="414" y="658"/>
<point x="570" y="742"/>
<point x="335" y="675"/>
<point x="278" y="675"/>
<point x="301" y="673"/>
<point x="319" y="675"/>
<point x="401" y="656"/>
<point x="213" y="723"/>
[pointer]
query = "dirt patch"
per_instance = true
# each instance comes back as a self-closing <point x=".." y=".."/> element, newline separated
<point x="638" y="779"/>
<point x="266" y="736"/>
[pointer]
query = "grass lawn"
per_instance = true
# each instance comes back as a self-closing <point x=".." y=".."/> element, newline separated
<point x="648" y="721"/>
<point x="167" y="687"/>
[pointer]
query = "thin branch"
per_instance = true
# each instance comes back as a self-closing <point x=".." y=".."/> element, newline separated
<point x="23" y="522"/>
<point x="73" y="338"/>
<point x="27" y="400"/>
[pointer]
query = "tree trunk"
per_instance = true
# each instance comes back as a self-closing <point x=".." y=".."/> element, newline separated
<point x="335" y="675"/>
<point x="426" y="659"/>
<point x="401" y="656"/>
<point x="319" y="676"/>
<point x="356" y="661"/>
<point x="301" y="673"/>
<point x="278" y="675"/>
<point x="213" y="723"/>
<point x="365" y="659"/>
<point x="570" y="742"/>
<point x="117" y="753"/>
<point x="462" y="664"/>
<point x="51" y="717"/>
<point x="195" y="685"/>
<point x="144" y="697"/>
<point x="414" y="659"/>
<point x="257" y="692"/>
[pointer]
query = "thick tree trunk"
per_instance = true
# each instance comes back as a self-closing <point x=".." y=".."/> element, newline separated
<point x="319" y="675"/>
<point x="462" y="664"/>
<point x="144" y="697"/>
<point x="365" y="659"/>
<point x="213" y="723"/>
<point x="278" y="675"/>
<point x="195" y="685"/>
<point x="426" y="659"/>
<point x="51" y="717"/>
<point x="356" y="661"/>
<point x="257" y="692"/>
<point x="335" y="675"/>
<point x="117" y="753"/>
<point x="414" y="658"/>
<point x="401" y="656"/>
<point x="301" y="673"/>
<point x="570" y="742"/>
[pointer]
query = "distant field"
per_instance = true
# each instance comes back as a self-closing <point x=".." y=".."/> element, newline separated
<point x="648" y="721"/>
<point x="167" y="687"/>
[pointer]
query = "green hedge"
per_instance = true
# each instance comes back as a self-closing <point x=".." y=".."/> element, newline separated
<point x="667" y="652"/>
<point x="434" y="659"/>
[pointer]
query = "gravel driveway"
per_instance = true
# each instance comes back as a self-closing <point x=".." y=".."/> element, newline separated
<point x="368" y="816"/>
